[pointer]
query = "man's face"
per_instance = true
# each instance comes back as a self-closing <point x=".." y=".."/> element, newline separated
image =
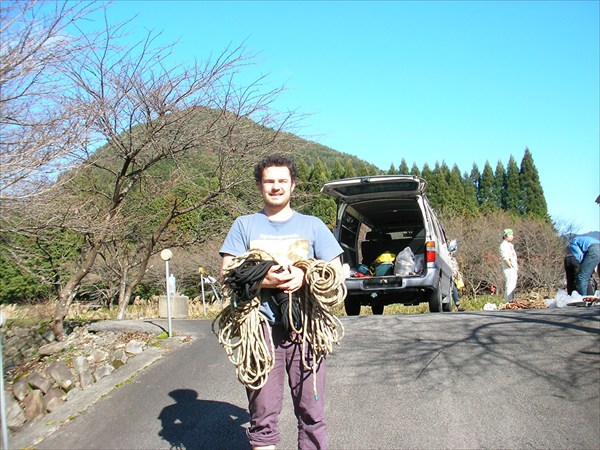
<point x="509" y="237"/>
<point x="276" y="186"/>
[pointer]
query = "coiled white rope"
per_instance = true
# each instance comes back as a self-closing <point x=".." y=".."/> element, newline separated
<point x="239" y="327"/>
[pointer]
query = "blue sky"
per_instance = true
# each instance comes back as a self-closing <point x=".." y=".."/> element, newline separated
<point x="461" y="82"/>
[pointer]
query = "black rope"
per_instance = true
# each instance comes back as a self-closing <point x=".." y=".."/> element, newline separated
<point x="282" y="300"/>
<point x="245" y="280"/>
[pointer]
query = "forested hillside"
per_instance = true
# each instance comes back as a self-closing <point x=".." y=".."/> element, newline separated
<point x="459" y="198"/>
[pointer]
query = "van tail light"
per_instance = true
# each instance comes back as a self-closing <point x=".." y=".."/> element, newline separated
<point x="430" y="251"/>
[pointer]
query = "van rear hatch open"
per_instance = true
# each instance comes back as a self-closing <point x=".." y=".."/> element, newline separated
<point x="381" y="201"/>
<point x="357" y="189"/>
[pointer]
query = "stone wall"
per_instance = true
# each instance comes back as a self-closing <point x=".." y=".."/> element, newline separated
<point x="41" y="374"/>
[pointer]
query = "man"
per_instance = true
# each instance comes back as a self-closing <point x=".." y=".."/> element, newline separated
<point x="586" y="250"/>
<point x="288" y="236"/>
<point x="510" y="266"/>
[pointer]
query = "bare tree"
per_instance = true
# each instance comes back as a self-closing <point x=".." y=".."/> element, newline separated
<point x="540" y="252"/>
<point x="38" y="130"/>
<point x="185" y="265"/>
<point x="134" y="115"/>
<point x="477" y="253"/>
<point x="537" y="243"/>
<point x="185" y="189"/>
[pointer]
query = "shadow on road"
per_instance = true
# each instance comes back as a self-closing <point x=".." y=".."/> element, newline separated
<point x="192" y="423"/>
<point x="518" y="341"/>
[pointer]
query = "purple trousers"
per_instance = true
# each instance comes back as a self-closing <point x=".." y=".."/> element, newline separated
<point x="266" y="403"/>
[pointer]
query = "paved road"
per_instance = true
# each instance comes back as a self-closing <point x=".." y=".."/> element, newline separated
<point x="513" y="379"/>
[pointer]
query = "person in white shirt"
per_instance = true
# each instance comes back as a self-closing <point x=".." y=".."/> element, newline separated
<point x="509" y="264"/>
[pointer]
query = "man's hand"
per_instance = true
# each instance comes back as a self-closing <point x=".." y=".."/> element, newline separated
<point x="286" y="278"/>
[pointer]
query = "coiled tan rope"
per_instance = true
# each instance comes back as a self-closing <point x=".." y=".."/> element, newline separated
<point x="239" y="331"/>
<point x="323" y="288"/>
<point x="239" y="327"/>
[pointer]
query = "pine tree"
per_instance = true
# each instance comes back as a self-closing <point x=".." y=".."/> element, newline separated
<point x="324" y="207"/>
<point x="426" y="172"/>
<point x="403" y="169"/>
<point x="392" y="170"/>
<point x="442" y="193"/>
<point x="415" y="170"/>
<point x="499" y="181"/>
<point x="363" y="170"/>
<point x="302" y="169"/>
<point x="427" y="175"/>
<point x="456" y="192"/>
<point x="302" y="175"/>
<point x="337" y="172"/>
<point x="531" y="189"/>
<point x="349" y="170"/>
<point x="475" y="177"/>
<point x="511" y="200"/>
<point x="486" y="190"/>
<point x="471" y="202"/>
<point x="320" y="172"/>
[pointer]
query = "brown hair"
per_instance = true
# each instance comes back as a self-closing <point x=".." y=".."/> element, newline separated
<point x="274" y="161"/>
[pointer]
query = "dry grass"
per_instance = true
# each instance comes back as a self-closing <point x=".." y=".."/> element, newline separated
<point x="139" y="309"/>
<point x="146" y="309"/>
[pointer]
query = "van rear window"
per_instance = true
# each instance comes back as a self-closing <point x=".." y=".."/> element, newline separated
<point x="372" y="188"/>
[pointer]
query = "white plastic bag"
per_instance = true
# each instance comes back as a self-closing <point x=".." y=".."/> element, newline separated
<point x="405" y="263"/>
<point x="563" y="299"/>
<point x="419" y="263"/>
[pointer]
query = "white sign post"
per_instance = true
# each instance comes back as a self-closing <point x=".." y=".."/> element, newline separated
<point x="166" y="255"/>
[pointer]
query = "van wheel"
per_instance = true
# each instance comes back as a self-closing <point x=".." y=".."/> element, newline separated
<point x="435" y="300"/>
<point x="377" y="308"/>
<point x="352" y="306"/>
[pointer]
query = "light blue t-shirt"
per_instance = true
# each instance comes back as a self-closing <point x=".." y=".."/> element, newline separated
<point x="299" y="238"/>
<point x="579" y="246"/>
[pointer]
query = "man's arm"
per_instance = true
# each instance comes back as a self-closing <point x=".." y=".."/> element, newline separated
<point x="226" y="261"/>
<point x="337" y="263"/>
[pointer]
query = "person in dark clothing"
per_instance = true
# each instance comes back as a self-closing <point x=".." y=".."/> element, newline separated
<point x="571" y="269"/>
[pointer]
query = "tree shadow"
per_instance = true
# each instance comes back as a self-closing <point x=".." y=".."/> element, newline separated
<point x="193" y="423"/>
<point x="405" y="351"/>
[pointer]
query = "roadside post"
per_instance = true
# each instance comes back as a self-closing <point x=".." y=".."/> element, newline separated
<point x="212" y="281"/>
<point x="2" y="396"/>
<point x="201" y="270"/>
<point x="166" y="255"/>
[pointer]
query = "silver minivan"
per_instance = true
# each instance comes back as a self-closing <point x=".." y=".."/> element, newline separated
<point x="395" y="248"/>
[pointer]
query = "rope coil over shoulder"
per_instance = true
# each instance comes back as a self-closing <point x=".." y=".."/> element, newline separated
<point x="239" y="326"/>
